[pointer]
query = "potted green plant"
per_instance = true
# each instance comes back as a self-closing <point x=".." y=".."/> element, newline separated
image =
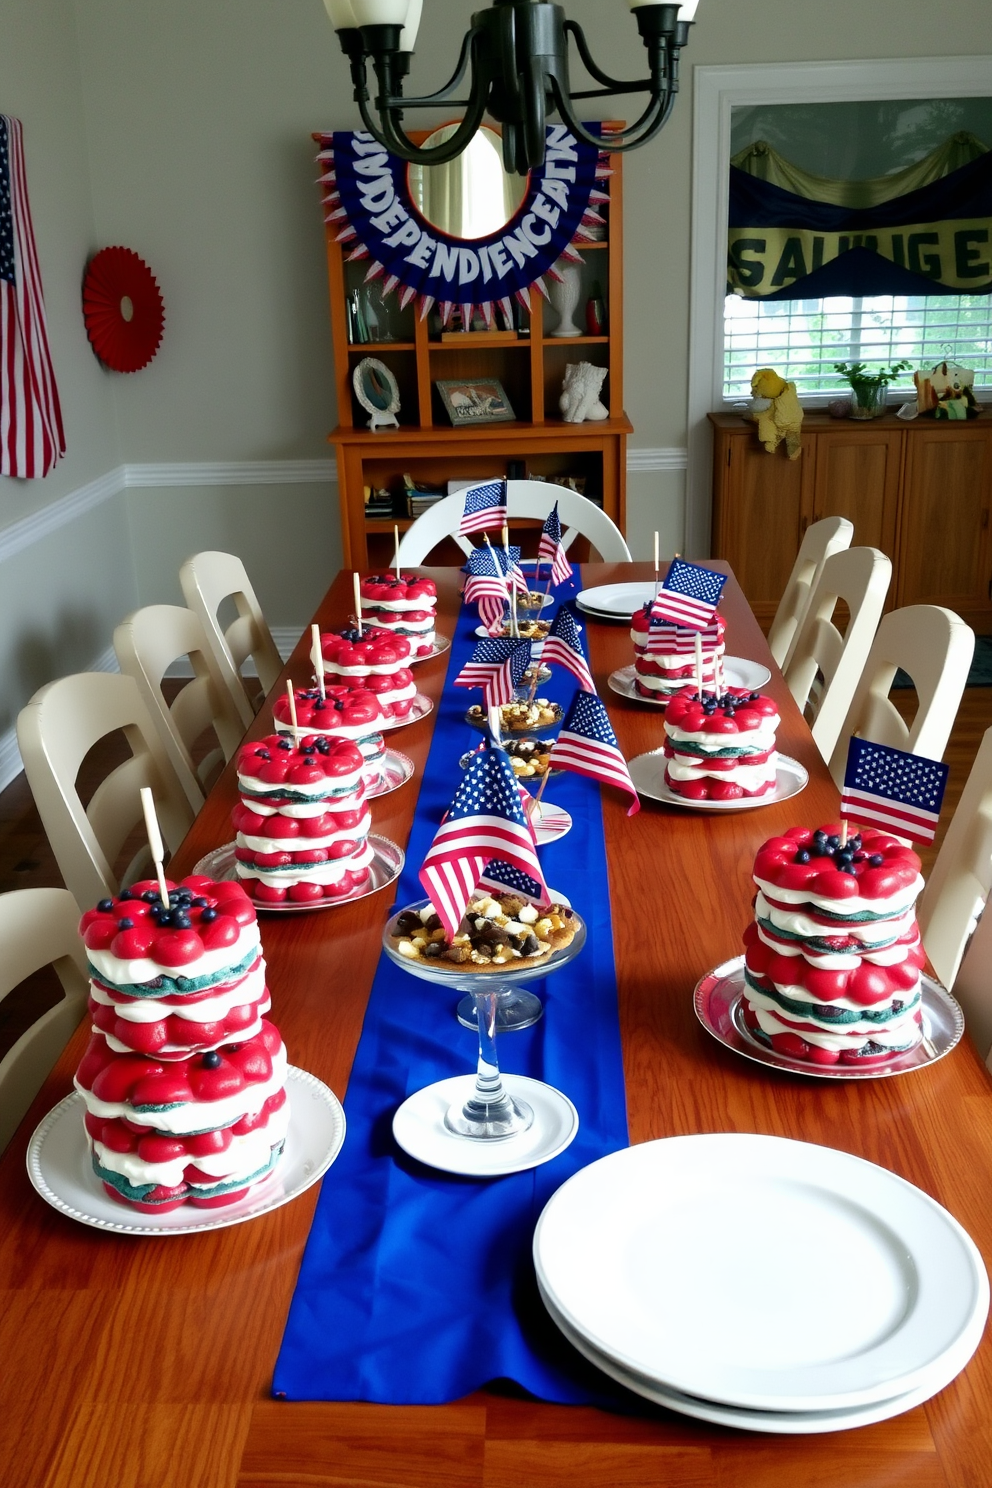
<point x="868" y="385"/>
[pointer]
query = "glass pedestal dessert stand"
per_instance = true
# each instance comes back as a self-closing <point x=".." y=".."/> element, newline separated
<point x="493" y="1112"/>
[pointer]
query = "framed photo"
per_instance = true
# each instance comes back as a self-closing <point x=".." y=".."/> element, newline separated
<point x="480" y="402"/>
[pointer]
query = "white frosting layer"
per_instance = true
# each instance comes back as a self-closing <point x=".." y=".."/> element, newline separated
<point x="246" y="1155"/>
<point x="196" y="1116"/>
<point x="892" y="955"/>
<point x="312" y="873"/>
<point x="398" y="694"/>
<point x="669" y="684"/>
<point x="303" y="810"/>
<point x="398" y="606"/>
<point x="898" y="1034"/>
<point x="868" y="934"/>
<point x="207" y="1010"/>
<point x="318" y="791"/>
<point x="112" y="969"/>
<point x="893" y="904"/>
<point x="758" y="740"/>
<point x="306" y="844"/>
<point x="748" y="777"/>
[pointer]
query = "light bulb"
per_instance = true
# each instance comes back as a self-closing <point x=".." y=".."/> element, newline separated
<point x="409" y="38"/>
<point x="380" y="12"/>
<point x="341" y="14"/>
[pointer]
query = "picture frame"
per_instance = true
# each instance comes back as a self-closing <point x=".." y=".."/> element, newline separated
<point x="378" y="392"/>
<point x="473" y="401"/>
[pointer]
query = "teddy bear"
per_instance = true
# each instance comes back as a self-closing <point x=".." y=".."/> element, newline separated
<point x="782" y="417"/>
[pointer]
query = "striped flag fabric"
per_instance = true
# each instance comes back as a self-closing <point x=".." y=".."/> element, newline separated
<point x="32" y="438"/>
<point x="487" y="587"/>
<point x="564" y="646"/>
<point x="501" y="877"/>
<point x="588" y="745"/>
<point x="550" y="549"/>
<point x="484" y="822"/>
<point x="485" y="506"/>
<point x="497" y="667"/>
<point x="885" y="787"/>
<point x="689" y="596"/>
<point x="676" y="640"/>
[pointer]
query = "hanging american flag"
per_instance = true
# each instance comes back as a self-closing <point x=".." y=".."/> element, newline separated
<point x="485" y="821"/>
<point x="564" y="645"/>
<point x="676" y="640"/>
<point x="689" y="596"/>
<point x="485" y="506"/>
<point x="886" y="787"/>
<point x="497" y="667"/>
<point x="550" y="549"/>
<point x="588" y="745"/>
<point x="31" y="435"/>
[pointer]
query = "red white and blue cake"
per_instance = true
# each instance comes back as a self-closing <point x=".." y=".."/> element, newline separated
<point x="671" y="662"/>
<point x="351" y="713"/>
<point x="404" y="606"/>
<point x="834" y="956"/>
<point x="721" y="747"/>
<point x="375" y="661"/>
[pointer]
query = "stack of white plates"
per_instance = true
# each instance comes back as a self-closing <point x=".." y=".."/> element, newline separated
<point x="615" y="601"/>
<point x="761" y="1283"/>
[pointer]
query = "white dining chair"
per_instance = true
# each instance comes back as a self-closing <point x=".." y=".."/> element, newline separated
<point x="524" y="498"/>
<point x="147" y="644"/>
<point x="821" y="541"/>
<point x="823" y="670"/>
<point x="934" y="647"/>
<point x="208" y="580"/>
<point x="954" y="899"/>
<point x="38" y="927"/>
<point x="55" y="732"/>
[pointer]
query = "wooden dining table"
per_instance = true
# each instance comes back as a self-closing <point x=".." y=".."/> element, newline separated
<point x="136" y="1362"/>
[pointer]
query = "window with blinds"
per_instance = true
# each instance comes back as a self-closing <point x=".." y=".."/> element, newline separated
<point x="802" y="339"/>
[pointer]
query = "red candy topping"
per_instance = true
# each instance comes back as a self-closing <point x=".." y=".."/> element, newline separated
<point x="342" y="707"/>
<point x="138" y="1080"/>
<point x="378" y="650"/>
<point x="386" y="588"/>
<point x="203" y="916"/>
<point x="737" y="711"/>
<point x="877" y="867"/>
<point x="314" y="761"/>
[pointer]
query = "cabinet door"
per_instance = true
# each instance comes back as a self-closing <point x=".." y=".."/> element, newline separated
<point x="945" y="520"/>
<point x="761" y="518"/>
<point x="857" y="477"/>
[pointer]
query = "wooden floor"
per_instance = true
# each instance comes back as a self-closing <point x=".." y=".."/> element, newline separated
<point x="27" y="861"/>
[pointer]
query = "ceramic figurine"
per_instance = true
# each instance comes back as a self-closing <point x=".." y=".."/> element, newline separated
<point x="564" y="295"/>
<point x="580" y="401"/>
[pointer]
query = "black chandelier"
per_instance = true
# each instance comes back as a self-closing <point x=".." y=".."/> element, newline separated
<point x="518" y="55"/>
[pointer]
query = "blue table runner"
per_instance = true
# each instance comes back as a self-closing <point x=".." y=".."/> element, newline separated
<point x="417" y="1286"/>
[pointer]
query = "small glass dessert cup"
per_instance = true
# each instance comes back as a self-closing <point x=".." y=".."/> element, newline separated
<point x="490" y="1114"/>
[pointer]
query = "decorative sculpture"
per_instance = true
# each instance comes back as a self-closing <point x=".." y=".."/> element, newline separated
<point x="564" y="292"/>
<point x="580" y="401"/>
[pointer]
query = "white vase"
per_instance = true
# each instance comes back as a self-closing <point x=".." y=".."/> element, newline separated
<point x="564" y="297"/>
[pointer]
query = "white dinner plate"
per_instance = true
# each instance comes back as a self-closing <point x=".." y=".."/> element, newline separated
<point x="615" y="601"/>
<point x="419" y="1129"/>
<point x="61" y="1169"/>
<point x="550" y="823"/>
<point x="759" y="1272"/>
<point x="777" y="1423"/>
<point x="737" y="672"/>
<point x="717" y="1002"/>
<point x="647" y="772"/>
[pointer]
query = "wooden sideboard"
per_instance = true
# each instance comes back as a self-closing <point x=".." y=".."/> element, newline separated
<point x="920" y="491"/>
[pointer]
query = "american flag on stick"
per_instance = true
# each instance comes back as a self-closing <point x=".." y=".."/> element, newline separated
<point x="485" y="506"/>
<point x="689" y="596"/>
<point x="886" y="787"/>
<point x="485" y="821"/>
<point x="588" y="745"/>
<point x="564" y="645"/>
<point x="497" y="667"/>
<point x="501" y="877"/>
<point x="487" y="587"/>
<point x="676" y="640"/>
<point x="550" y="549"/>
<point x="32" y="438"/>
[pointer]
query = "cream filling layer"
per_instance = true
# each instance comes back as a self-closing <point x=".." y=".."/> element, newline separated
<point x="898" y="1034"/>
<point x="398" y="606"/>
<point x="869" y="934"/>
<point x="305" y="844"/>
<point x="319" y="791"/>
<point x="209" y="1010"/>
<point x="757" y="740"/>
<point x="892" y="955"/>
<point x="143" y="969"/>
<point x="246" y="1155"/>
<point x="311" y="873"/>
<point x="306" y="810"/>
<point x="378" y="668"/>
<point x="398" y="694"/>
<point x="749" y="777"/>
<point x="196" y="1116"/>
<point x="894" y="904"/>
<point x="668" y="684"/>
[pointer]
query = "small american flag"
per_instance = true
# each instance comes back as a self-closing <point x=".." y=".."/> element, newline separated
<point x="485" y="506"/>
<point x="689" y="596"/>
<point x="675" y="640"/>
<point x="550" y="549"/>
<point x="501" y="877"/>
<point x="485" y="821"/>
<point x="564" y="645"/>
<point x="31" y="435"/>
<point x="588" y="745"/>
<point x="492" y="613"/>
<point x="497" y="667"/>
<point x="886" y="787"/>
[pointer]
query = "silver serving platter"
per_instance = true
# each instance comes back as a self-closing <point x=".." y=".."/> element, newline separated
<point x="439" y="647"/>
<point x="717" y="1002"/>
<point x="419" y="708"/>
<point x="385" y="867"/>
<point x="397" y="769"/>
<point x="647" y="772"/>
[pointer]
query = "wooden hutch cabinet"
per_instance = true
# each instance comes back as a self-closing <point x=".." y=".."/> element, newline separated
<point x="919" y="491"/>
<point x="531" y="368"/>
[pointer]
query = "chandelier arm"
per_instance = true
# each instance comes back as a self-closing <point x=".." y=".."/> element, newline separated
<point x="391" y="137"/>
<point x="652" y="119"/>
<point x="572" y="28"/>
<point x="441" y="96"/>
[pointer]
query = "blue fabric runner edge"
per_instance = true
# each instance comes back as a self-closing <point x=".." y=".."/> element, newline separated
<point x="417" y="1287"/>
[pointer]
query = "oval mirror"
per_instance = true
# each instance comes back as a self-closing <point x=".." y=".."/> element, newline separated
<point x="472" y="196"/>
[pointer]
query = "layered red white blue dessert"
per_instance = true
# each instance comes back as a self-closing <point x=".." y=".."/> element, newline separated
<point x="375" y="661"/>
<point x="671" y="661"/>
<point x="404" y="606"/>
<point x="721" y="747"/>
<point x="351" y="713"/>
<point x="834" y="957"/>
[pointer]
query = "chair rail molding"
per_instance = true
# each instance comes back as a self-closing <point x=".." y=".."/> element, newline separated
<point x="717" y="90"/>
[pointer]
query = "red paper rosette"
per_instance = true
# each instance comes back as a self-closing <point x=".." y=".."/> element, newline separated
<point x="123" y="309"/>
